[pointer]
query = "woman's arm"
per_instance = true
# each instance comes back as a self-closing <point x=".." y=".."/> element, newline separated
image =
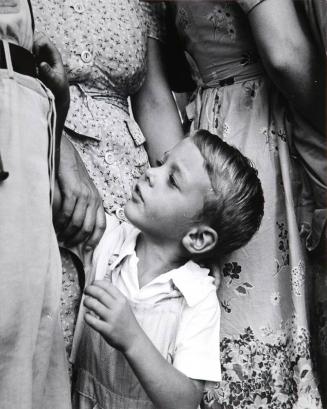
<point x="154" y="107"/>
<point x="167" y="387"/>
<point x="289" y="55"/>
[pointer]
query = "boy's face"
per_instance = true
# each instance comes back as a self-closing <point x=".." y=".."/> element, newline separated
<point x="167" y="198"/>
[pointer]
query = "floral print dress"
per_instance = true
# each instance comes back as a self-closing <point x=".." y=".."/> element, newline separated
<point x="103" y="44"/>
<point x="265" y="343"/>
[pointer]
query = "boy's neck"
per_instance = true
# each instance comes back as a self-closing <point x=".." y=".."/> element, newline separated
<point x="156" y="258"/>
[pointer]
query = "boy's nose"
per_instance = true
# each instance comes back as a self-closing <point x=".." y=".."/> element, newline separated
<point x="149" y="177"/>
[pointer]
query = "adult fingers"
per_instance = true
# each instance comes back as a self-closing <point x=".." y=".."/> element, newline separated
<point x="64" y="215"/>
<point x="56" y="204"/>
<point x="98" y="228"/>
<point x="44" y="50"/>
<point x="76" y="221"/>
<point x="88" y="222"/>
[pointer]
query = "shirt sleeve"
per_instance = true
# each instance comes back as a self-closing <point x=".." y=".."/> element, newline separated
<point x="197" y="344"/>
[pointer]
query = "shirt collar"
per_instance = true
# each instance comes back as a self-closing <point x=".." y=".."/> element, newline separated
<point x="191" y="279"/>
<point x="128" y="246"/>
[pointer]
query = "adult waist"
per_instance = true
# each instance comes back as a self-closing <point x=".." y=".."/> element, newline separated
<point x="229" y="74"/>
<point x="107" y="95"/>
<point x="86" y="110"/>
<point x="119" y="101"/>
<point x="22" y="61"/>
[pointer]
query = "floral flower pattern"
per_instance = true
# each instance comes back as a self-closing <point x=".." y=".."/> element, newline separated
<point x="106" y="63"/>
<point x="267" y="375"/>
<point x="265" y="344"/>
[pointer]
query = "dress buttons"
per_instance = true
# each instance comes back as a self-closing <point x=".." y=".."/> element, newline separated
<point x="109" y="158"/>
<point x="86" y="56"/>
<point x="79" y="8"/>
<point x="120" y="214"/>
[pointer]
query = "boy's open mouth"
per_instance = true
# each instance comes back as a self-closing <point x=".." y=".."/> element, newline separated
<point x="138" y="192"/>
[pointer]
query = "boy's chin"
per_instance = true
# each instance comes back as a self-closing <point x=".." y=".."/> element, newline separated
<point x="131" y="211"/>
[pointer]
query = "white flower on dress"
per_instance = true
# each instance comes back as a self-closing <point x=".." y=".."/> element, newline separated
<point x="266" y="331"/>
<point x="225" y="130"/>
<point x="306" y="401"/>
<point x="297" y="277"/>
<point x="275" y="298"/>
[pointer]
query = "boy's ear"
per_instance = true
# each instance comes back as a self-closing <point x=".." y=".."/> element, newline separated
<point x="200" y="239"/>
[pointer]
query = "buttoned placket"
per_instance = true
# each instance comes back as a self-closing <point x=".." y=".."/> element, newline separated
<point x="80" y="7"/>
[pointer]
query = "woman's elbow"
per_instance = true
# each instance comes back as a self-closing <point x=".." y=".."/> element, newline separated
<point x="288" y="57"/>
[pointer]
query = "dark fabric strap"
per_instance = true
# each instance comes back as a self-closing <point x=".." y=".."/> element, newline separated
<point x="23" y="61"/>
<point x="32" y="16"/>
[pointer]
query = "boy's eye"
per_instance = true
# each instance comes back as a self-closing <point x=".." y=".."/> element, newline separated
<point x="172" y="180"/>
<point x="163" y="160"/>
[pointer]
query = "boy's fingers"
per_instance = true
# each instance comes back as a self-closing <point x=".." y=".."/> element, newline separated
<point x="95" y="306"/>
<point x="101" y="294"/>
<point x="95" y="323"/>
<point x="109" y="288"/>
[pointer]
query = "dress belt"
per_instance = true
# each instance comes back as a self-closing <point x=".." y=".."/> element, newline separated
<point x="109" y="96"/>
<point x="194" y="107"/>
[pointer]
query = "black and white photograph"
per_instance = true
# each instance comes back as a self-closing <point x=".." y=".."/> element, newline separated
<point x="163" y="204"/>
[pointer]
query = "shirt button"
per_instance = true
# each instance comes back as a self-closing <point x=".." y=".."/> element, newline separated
<point x="109" y="158"/>
<point x="79" y="8"/>
<point x="86" y="56"/>
<point x="120" y="214"/>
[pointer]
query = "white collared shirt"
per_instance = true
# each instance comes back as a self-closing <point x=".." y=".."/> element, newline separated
<point x="197" y="343"/>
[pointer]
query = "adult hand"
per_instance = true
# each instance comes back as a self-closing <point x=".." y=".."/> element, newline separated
<point x="81" y="217"/>
<point x="114" y="319"/>
<point x="51" y="68"/>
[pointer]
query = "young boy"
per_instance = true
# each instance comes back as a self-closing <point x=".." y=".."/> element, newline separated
<point x="152" y="315"/>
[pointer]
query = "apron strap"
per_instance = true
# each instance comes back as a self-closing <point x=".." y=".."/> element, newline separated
<point x="32" y="16"/>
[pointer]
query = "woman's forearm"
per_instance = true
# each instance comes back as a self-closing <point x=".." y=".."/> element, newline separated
<point x="154" y="108"/>
<point x="289" y="56"/>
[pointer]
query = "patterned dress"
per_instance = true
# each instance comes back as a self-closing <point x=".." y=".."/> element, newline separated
<point x="103" y="44"/>
<point x="265" y="343"/>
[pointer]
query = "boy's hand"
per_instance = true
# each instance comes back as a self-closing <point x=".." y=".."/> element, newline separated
<point x="116" y="321"/>
<point x="51" y="69"/>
